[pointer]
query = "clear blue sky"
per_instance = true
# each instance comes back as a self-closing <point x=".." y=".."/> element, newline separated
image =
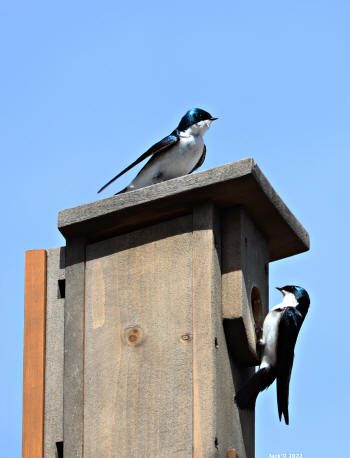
<point x="85" y="87"/>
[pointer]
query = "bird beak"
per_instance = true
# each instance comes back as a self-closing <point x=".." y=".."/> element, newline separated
<point x="279" y="289"/>
<point x="213" y="119"/>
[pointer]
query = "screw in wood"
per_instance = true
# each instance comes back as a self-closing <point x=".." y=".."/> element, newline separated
<point x="186" y="337"/>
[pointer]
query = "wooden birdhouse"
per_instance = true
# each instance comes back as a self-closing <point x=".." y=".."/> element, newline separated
<point x="139" y="330"/>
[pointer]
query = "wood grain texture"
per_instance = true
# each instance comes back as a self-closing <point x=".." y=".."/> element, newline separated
<point x="54" y="359"/>
<point x="34" y="354"/>
<point x="205" y="315"/>
<point x="215" y="421"/>
<point x="240" y="183"/>
<point x="73" y="378"/>
<point x="138" y="392"/>
<point x="244" y="420"/>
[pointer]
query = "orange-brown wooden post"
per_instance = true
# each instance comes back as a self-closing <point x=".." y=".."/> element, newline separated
<point x="34" y="354"/>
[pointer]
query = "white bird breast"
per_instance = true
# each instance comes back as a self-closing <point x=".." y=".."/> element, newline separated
<point x="270" y="336"/>
<point x="183" y="157"/>
<point x="178" y="160"/>
<point x="270" y="329"/>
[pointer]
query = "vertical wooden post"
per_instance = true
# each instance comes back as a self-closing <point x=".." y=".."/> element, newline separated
<point x="73" y="382"/>
<point x="34" y="354"/>
<point x="206" y="300"/>
<point x="215" y="419"/>
<point x="53" y="423"/>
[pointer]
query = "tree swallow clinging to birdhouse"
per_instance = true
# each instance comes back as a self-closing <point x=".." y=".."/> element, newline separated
<point x="280" y="331"/>
<point x="178" y="154"/>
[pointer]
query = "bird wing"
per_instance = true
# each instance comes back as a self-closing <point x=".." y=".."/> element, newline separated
<point x="288" y="330"/>
<point x="201" y="159"/>
<point x="157" y="148"/>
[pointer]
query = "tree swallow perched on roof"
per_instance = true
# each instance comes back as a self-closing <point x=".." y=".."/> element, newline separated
<point x="178" y="154"/>
<point x="280" y="331"/>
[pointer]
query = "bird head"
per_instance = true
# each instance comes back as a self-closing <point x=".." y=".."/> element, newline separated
<point x="197" y="119"/>
<point x="300" y="294"/>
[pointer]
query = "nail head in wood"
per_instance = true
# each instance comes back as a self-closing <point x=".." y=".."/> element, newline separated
<point x="186" y="337"/>
<point x="134" y="336"/>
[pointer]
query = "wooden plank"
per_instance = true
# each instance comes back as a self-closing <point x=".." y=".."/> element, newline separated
<point x="34" y="354"/>
<point x="243" y="438"/>
<point x="138" y="337"/>
<point x="245" y="258"/>
<point x="244" y="268"/>
<point x="215" y="423"/>
<point x="73" y="379"/>
<point x="204" y="333"/>
<point x="240" y="183"/>
<point x="216" y="420"/>
<point x="54" y="360"/>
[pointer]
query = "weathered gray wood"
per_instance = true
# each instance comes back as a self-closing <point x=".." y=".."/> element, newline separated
<point x="245" y="259"/>
<point x="244" y="420"/>
<point x="205" y="317"/>
<point x="54" y="354"/>
<point x="241" y="183"/>
<point x="73" y="403"/>
<point x="138" y="387"/>
<point x="216" y="421"/>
